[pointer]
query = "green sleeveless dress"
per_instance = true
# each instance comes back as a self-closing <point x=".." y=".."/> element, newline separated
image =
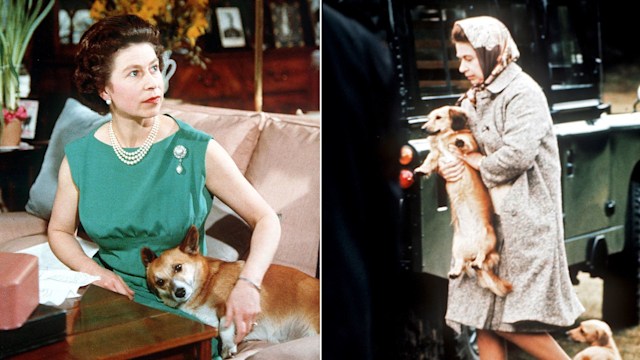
<point x="124" y="208"/>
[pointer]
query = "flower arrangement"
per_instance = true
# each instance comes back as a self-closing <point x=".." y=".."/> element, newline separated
<point x="180" y="22"/>
<point x="18" y="20"/>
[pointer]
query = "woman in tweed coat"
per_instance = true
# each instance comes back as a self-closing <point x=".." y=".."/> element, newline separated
<point x="521" y="167"/>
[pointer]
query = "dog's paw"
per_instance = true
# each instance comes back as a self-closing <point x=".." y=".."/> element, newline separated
<point x="227" y="335"/>
<point x="419" y="170"/>
<point x="453" y="275"/>
<point x="228" y="351"/>
<point x="422" y="172"/>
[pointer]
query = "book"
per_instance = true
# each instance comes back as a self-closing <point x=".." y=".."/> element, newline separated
<point x="46" y="325"/>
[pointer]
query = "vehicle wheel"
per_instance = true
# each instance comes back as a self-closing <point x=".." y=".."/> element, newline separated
<point x="423" y="330"/>
<point x="465" y="344"/>
<point x="427" y="337"/>
<point x="621" y="295"/>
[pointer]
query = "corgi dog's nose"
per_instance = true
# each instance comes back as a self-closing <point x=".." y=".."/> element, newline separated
<point x="180" y="293"/>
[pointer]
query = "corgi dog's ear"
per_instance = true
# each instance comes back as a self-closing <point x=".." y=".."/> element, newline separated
<point x="459" y="118"/>
<point x="602" y="337"/>
<point x="147" y="256"/>
<point x="191" y="242"/>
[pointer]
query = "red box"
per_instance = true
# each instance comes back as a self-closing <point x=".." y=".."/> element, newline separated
<point x="19" y="289"/>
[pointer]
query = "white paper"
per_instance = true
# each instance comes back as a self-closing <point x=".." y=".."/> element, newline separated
<point x="57" y="282"/>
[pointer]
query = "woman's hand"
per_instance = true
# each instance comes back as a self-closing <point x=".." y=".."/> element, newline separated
<point x="111" y="281"/>
<point x="243" y="308"/>
<point x="474" y="159"/>
<point x="450" y="169"/>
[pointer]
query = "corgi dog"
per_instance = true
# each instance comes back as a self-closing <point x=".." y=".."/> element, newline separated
<point x="474" y="238"/>
<point x="185" y="279"/>
<point x="599" y="336"/>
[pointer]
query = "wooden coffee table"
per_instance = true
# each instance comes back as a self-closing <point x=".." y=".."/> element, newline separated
<point x="105" y="325"/>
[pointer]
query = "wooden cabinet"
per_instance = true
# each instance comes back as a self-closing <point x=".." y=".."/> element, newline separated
<point x="290" y="80"/>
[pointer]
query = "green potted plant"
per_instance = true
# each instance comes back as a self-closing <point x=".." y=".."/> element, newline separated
<point x="18" y="21"/>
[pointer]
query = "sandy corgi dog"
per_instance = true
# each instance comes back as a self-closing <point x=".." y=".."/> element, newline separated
<point x="599" y="336"/>
<point x="199" y="285"/>
<point x="474" y="238"/>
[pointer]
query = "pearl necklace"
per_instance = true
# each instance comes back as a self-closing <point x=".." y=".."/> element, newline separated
<point x="132" y="158"/>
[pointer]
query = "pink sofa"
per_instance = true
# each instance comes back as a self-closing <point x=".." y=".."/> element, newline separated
<point x="280" y="155"/>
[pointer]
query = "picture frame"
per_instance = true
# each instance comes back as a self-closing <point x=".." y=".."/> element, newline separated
<point x="230" y="27"/>
<point x="74" y="18"/>
<point x="29" y="125"/>
<point x="287" y="23"/>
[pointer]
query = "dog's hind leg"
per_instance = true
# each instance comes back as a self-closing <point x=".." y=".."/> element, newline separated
<point x="478" y="262"/>
<point x="488" y="279"/>
<point x="457" y="268"/>
<point x="491" y="260"/>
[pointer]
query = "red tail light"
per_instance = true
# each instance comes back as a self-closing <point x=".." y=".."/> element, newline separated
<point x="406" y="178"/>
<point x="406" y="155"/>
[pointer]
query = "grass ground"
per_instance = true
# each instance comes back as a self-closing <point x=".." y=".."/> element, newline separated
<point x="620" y="90"/>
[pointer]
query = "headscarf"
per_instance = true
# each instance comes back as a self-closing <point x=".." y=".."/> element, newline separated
<point x="494" y="48"/>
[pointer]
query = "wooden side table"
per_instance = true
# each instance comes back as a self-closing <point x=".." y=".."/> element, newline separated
<point x="105" y="325"/>
<point x="18" y="171"/>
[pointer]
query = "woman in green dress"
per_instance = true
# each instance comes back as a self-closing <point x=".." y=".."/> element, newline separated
<point x="143" y="178"/>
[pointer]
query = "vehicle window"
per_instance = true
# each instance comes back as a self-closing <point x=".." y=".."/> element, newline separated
<point x="436" y="62"/>
<point x="561" y="33"/>
<point x="567" y="67"/>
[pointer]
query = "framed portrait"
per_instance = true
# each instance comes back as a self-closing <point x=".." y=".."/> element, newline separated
<point x="230" y="27"/>
<point x="29" y="125"/>
<point x="286" y="21"/>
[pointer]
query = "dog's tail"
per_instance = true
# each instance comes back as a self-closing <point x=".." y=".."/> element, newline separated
<point x="488" y="279"/>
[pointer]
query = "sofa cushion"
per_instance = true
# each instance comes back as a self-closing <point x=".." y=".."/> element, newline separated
<point x="75" y="121"/>
<point x="25" y="242"/>
<point x="306" y="348"/>
<point x="18" y="224"/>
<point x="237" y="131"/>
<point x="228" y="236"/>
<point x="290" y="183"/>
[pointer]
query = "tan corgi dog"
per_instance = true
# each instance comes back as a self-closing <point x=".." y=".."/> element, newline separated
<point x="474" y="239"/>
<point x="599" y="336"/>
<point x="198" y="285"/>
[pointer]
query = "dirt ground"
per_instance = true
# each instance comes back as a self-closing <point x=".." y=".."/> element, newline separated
<point x="620" y="87"/>
<point x="620" y="90"/>
<point x="590" y="293"/>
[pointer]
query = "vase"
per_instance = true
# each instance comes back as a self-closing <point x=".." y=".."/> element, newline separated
<point x="170" y="67"/>
<point x="11" y="133"/>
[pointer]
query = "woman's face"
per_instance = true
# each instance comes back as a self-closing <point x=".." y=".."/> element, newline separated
<point x="469" y="63"/>
<point x="136" y="86"/>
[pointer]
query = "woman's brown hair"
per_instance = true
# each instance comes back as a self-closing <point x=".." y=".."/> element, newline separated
<point x="98" y="45"/>
<point x="458" y="35"/>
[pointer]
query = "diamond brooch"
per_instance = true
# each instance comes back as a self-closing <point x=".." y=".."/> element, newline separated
<point x="180" y="152"/>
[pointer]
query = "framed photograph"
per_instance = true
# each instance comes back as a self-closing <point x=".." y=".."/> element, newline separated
<point x="286" y="20"/>
<point x="29" y="125"/>
<point x="230" y="27"/>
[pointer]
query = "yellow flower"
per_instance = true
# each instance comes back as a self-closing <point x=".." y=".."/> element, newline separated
<point x="98" y="9"/>
<point x="180" y="22"/>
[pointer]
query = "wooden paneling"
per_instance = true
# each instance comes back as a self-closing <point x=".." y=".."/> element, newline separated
<point x="289" y="81"/>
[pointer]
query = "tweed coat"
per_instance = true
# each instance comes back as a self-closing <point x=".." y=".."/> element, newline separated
<point x="513" y="127"/>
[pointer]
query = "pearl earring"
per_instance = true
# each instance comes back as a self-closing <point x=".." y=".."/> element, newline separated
<point x="108" y="101"/>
